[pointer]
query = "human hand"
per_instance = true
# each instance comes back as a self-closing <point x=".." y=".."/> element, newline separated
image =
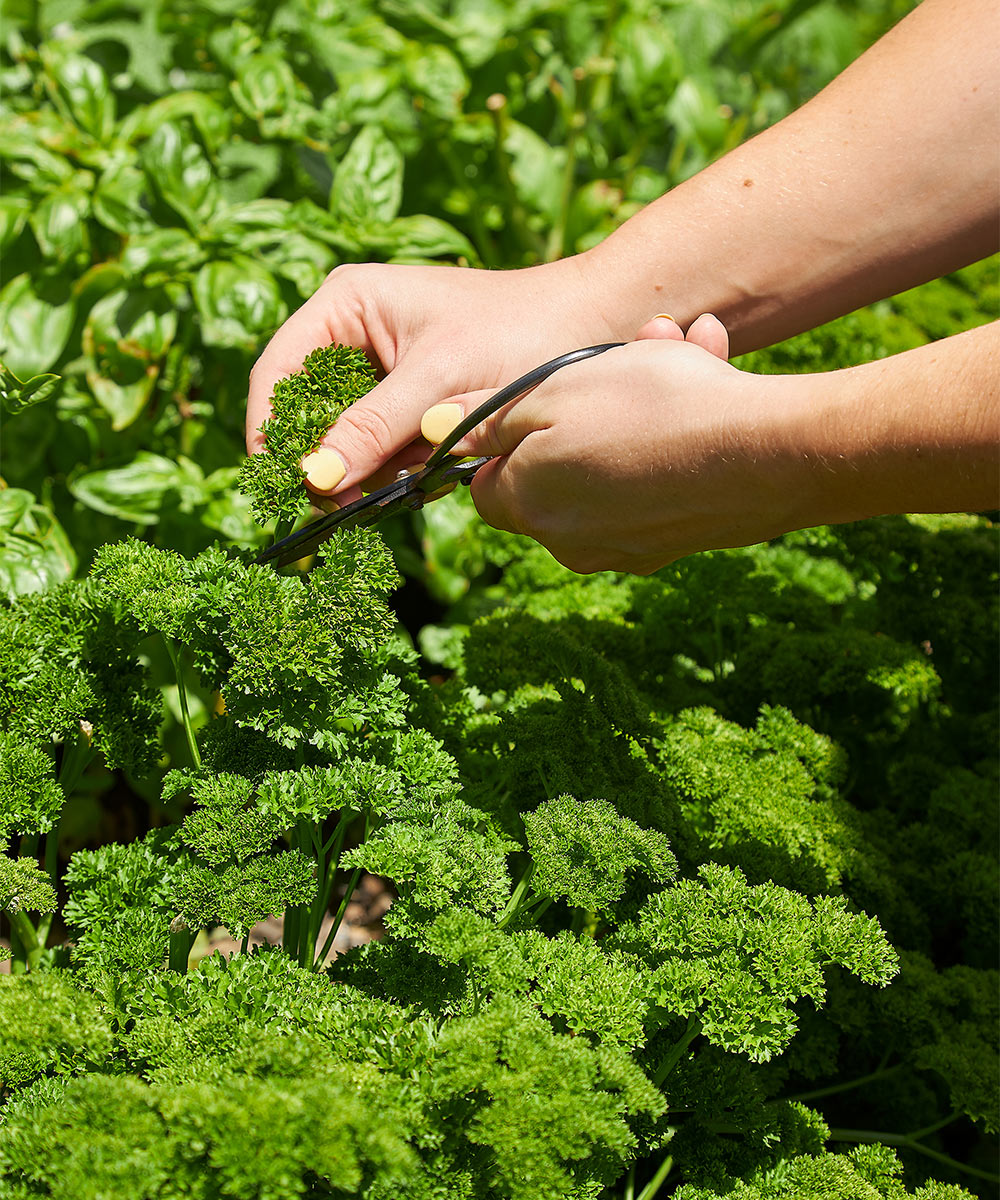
<point x="434" y="333"/>
<point x="641" y="455"/>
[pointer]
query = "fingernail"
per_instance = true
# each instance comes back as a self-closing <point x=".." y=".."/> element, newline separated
<point x="324" y="469"/>
<point x="439" y="421"/>
<point x="667" y="315"/>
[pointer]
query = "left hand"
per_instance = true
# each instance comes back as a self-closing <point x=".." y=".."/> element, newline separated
<point x="638" y="456"/>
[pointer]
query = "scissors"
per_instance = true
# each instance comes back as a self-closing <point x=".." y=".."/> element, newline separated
<point x="411" y="491"/>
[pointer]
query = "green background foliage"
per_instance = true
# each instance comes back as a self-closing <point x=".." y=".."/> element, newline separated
<point x="695" y="875"/>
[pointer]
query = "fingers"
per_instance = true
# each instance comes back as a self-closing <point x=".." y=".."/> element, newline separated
<point x="660" y="327"/>
<point x="706" y="331"/>
<point x="709" y="333"/>
<point x="380" y="426"/>
<point x="308" y="328"/>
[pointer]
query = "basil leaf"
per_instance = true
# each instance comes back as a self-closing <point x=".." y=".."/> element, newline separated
<point x="34" y="328"/>
<point x="14" y="212"/>
<point x="59" y="224"/>
<point x="368" y="184"/>
<point x="124" y="341"/>
<point x="121" y="200"/>
<point x="239" y="301"/>
<point x="181" y="174"/>
<point x="135" y="492"/>
<point x="80" y="90"/>
<point x="35" y="553"/>
<point x="17" y="395"/>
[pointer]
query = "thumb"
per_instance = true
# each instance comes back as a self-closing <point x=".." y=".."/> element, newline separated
<point x="494" y="436"/>
<point x="376" y="427"/>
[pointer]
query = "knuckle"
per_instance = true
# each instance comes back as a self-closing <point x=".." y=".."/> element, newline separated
<point x="368" y="430"/>
<point x="346" y="273"/>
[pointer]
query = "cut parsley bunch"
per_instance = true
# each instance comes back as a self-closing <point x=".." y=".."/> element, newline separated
<point x="304" y="406"/>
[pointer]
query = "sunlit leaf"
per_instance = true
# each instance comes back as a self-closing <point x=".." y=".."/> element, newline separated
<point x="35" y="324"/>
<point x="368" y="184"/>
<point x="239" y="301"/>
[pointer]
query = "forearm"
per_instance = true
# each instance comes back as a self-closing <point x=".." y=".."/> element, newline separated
<point x="918" y="432"/>
<point x="887" y="178"/>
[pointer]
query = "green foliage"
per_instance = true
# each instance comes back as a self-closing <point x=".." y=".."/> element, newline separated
<point x="767" y="798"/>
<point x="866" y="1173"/>
<point x="304" y="406"/>
<point x="298" y="659"/>
<point x="586" y="852"/>
<point x="30" y="798"/>
<point x="444" y="857"/>
<point x="738" y="958"/>
<point x="121" y="903"/>
<point x="809" y="726"/>
<point x="65" y="665"/>
<point x="49" y="1024"/>
<point x="246" y="893"/>
<point x="25" y="887"/>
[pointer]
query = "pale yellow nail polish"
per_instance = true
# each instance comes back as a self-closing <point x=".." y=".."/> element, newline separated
<point x="324" y="469"/>
<point x="439" y="421"/>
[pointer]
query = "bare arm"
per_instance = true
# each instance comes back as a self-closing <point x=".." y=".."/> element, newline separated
<point x="888" y="178"/>
<point x="660" y="449"/>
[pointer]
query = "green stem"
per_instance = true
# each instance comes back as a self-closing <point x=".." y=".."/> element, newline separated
<point x="673" y="1056"/>
<point x="538" y="907"/>
<point x="630" y="1184"/>
<point x="514" y="903"/>
<point x="245" y="944"/>
<point x="329" y="859"/>
<point x="836" y="1088"/>
<point x="352" y="883"/>
<point x="906" y="1141"/>
<point x="181" y="942"/>
<point x="30" y="946"/>
<point x="76" y="759"/>
<point x="182" y="700"/>
<point x="517" y="219"/>
<point x="654" y="1185"/>
<point x="283" y="528"/>
<point x="927" y="1130"/>
<point x="314" y="916"/>
<point x="480" y="234"/>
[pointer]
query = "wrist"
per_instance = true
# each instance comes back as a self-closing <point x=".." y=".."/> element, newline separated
<point x="913" y="433"/>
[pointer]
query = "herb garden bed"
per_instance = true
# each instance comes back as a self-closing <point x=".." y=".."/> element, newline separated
<point x="694" y="876"/>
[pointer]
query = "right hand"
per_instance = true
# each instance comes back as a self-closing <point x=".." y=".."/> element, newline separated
<point x="434" y="333"/>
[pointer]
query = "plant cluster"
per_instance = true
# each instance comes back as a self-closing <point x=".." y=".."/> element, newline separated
<point x="629" y="944"/>
<point x="694" y="875"/>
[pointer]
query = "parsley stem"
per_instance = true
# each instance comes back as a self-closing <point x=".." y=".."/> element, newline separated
<point x="349" y="892"/>
<point x="908" y="1142"/>
<point x="175" y="657"/>
<point x="835" y="1088"/>
<point x="654" y="1185"/>
<point x="514" y="903"/>
<point x="673" y="1056"/>
<point x="181" y="941"/>
<point x="28" y="938"/>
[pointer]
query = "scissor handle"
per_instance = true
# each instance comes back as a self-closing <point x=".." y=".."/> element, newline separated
<point x="513" y="391"/>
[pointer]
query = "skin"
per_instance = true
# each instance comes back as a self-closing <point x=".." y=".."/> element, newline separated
<point x="865" y="191"/>
<point x="798" y="450"/>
